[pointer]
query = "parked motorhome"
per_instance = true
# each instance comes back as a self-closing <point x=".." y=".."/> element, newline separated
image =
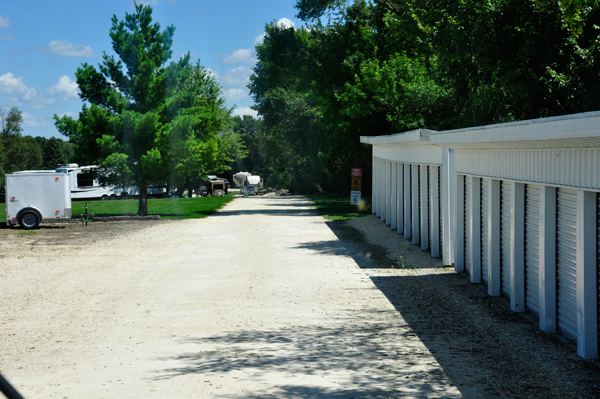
<point x="83" y="184"/>
<point x="253" y="185"/>
<point x="32" y="197"/>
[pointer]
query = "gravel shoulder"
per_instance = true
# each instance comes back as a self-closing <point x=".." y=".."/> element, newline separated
<point x="263" y="299"/>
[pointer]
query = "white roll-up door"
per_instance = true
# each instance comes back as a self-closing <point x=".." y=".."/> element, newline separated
<point x="598" y="267"/>
<point x="419" y="182"/>
<point x="532" y="248"/>
<point x="441" y="210"/>
<point x="485" y="183"/>
<point x="412" y="230"/>
<point x="505" y="223"/>
<point x="566" y="265"/>
<point x="428" y="207"/>
<point x="468" y="224"/>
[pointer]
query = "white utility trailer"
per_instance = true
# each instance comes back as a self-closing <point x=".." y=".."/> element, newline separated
<point x="35" y="196"/>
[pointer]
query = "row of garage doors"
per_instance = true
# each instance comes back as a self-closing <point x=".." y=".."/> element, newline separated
<point x="566" y="245"/>
<point x="415" y="206"/>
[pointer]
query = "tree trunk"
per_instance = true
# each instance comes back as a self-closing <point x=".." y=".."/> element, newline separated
<point x="190" y="189"/>
<point x="143" y="203"/>
<point x="180" y="190"/>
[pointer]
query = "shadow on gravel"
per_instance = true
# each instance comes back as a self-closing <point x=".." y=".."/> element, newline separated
<point x="472" y="335"/>
<point x="349" y="354"/>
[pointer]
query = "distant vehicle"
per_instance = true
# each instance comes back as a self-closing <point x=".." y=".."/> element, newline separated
<point x="83" y="184"/>
<point x="32" y="197"/>
<point x="151" y="192"/>
<point x="253" y="184"/>
<point x="214" y="187"/>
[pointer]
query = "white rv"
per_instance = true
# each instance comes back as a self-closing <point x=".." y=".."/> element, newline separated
<point x="83" y="184"/>
<point x="253" y="184"/>
<point x="35" y="196"/>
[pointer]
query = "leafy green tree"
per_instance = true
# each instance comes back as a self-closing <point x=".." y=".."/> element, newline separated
<point x="17" y="152"/>
<point x="149" y="121"/>
<point x="55" y="152"/>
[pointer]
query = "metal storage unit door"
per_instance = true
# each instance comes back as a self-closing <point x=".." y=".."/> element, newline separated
<point x="532" y="248"/>
<point x="485" y="183"/>
<point x="598" y="267"/>
<point x="467" y="224"/>
<point x="419" y="182"/>
<point x="566" y="266"/>
<point x="505" y="217"/>
<point x="428" y="207"/>
<point x="440" y="218"/>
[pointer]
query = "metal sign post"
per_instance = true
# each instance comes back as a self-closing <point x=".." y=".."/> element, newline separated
<point x="355" y="186"/>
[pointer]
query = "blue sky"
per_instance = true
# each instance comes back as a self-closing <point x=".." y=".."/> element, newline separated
<point x="43" y="43"/>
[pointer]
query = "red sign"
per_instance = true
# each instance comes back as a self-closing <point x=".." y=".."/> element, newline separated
<point x="356" y="172"/>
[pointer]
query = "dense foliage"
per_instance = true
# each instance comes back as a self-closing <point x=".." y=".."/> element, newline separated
<point x="150" y="121"/>
<point x="19" y="152"/>
<point x="387" y="66"/>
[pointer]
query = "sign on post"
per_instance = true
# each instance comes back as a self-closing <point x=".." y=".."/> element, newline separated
<point x="355" y="186"/>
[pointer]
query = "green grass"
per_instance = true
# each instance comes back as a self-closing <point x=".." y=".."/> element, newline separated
<point x="167" y="208"/>
<point x="337" y="206"/>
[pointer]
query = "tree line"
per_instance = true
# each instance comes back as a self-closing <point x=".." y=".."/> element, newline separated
<point x="19" y="152"/>
<point x="364" y="68"/>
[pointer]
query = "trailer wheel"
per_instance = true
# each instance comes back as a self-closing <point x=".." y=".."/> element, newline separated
<point x="29" y="220"/>
<point x="104" y="197"/>
<point x="113" y="197"/>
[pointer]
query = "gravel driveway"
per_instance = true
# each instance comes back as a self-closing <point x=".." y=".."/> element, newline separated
<point x="263" y="299"/>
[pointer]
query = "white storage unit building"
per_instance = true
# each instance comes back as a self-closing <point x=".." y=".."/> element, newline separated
<point x="530" y="190"/>
<point x="411" y="191"/>
<point x="517" y="208"/>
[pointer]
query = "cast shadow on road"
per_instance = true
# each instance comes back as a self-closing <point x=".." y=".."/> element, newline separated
<point x="349" y="353"/>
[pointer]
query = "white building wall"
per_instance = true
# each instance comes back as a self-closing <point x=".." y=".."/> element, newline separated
<point x="568" y="168"/>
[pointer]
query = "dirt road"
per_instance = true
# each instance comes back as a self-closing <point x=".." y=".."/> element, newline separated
<point x="260" y="300"/>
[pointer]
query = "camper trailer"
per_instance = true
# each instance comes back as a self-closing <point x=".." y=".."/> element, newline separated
<point x="253" y="185"/>
<point x="83" y="184"/>
<point x="214" y="187"/>
<point x="32" y="197"/>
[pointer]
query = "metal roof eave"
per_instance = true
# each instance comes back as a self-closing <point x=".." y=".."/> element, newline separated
<point x="568" y="131"/>
<point x="413" y="138"/>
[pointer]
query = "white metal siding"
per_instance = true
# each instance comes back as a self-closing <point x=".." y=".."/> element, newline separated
<point x="484" y="229"/>
<point x="505" y="223"/>
<point x="532" y="248"/>
<point x="468" y="224"/>
<point x="566" y="261"/>
<point x="571" y="168"/>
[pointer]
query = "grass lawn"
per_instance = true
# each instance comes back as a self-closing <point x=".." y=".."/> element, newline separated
<point x="167" y="208"/>
<point x="337" y="206"/>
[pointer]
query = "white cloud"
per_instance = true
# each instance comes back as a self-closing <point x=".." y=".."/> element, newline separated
<point x="236" y="94"/>
<point x="241" y="56"/>
<point x="11" y="85"/>
<point x="259" y="39"/>
<point x="65" y="89"/>
<point x="192" y="55"/>
<point x="71" y="114"/>
<point x="4" y="22"/>
<point x="7" y="37"/>
<point x="241" y="111"/>
<point x="284" y="22"/>
<point x="33" y="120"/>
<point x="212" y="73"/>
<point x="236" y="77"/>
<point x="63" y="47"/>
